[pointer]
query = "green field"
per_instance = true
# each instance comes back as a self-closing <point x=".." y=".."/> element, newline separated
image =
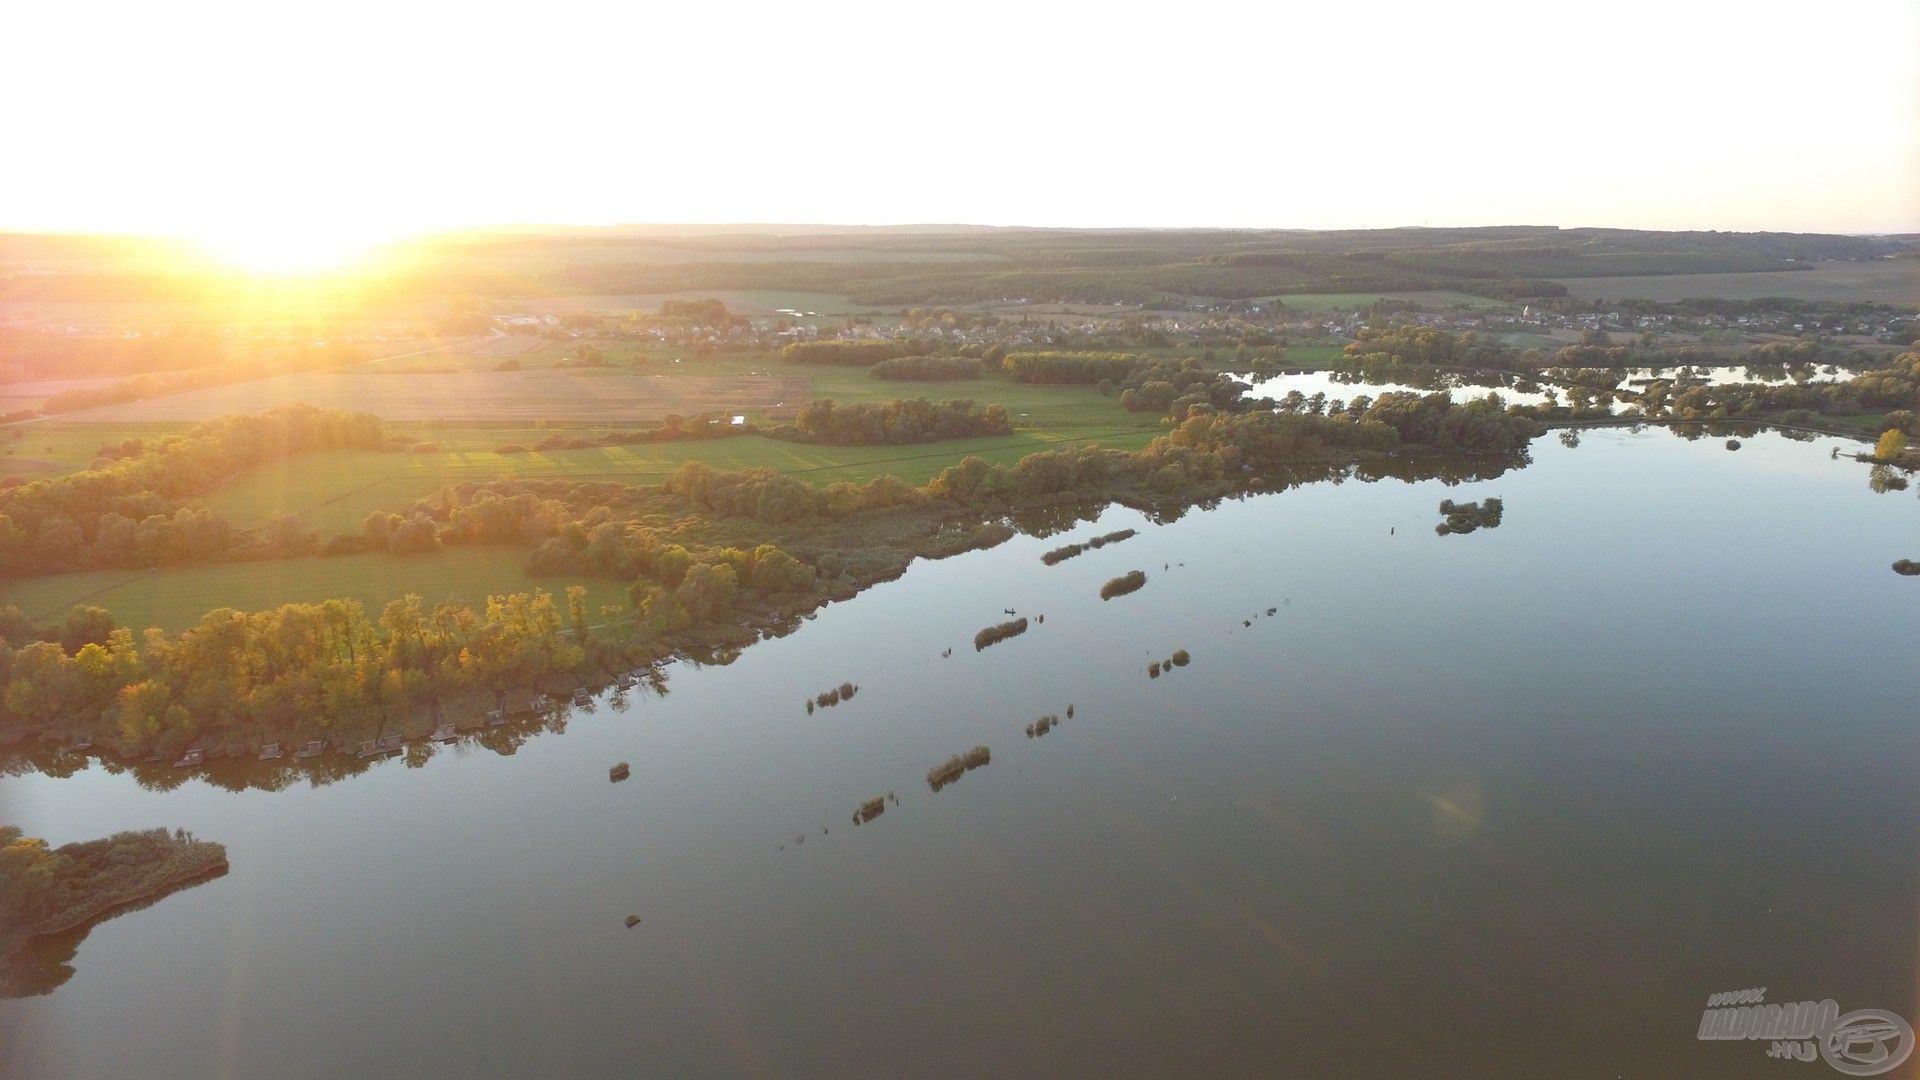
<point x="177" y="597"/>
<point x="334" y="492"/>
<point x="51" y="446"/>
<point x="1309" y="356"/>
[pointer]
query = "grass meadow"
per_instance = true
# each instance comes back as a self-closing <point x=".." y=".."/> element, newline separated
<point x="176" y="597"/>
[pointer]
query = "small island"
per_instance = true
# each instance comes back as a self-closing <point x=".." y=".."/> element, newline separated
<point x="1131" y="581"/>
<point x="46" y="891"/>
<point x="1463" y="518"/>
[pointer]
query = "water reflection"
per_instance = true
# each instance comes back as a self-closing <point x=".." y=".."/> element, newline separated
<point x="45" y="963"/>
<point x="1396" y="795"/>
<point x="1547" y="387"/>
<point x="503" y="731"/>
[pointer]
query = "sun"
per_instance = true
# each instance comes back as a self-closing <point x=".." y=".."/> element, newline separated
<point x="291" y="248"/>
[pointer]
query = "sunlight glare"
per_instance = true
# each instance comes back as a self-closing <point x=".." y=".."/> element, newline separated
<point x="290" y="247"/>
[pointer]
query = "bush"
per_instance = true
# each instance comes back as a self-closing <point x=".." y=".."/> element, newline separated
<point x="1131" y="581"/>
<point x="993" y="635"/>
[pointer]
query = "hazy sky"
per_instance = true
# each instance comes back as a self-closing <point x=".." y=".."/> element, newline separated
<point x="348" y="118"/>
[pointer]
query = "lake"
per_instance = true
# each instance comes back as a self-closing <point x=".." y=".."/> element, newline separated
<point x="1347" y="385"/>
<point x="1511" y="803"/>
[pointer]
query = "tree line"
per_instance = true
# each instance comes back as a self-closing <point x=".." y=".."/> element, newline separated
<point x="846" y="353"/>
<point x="293" y="673"/>
<point x="917" y="420"/>
<point x="928" y="368"/>
<point x="129" y="507"/>
<point x="1085" y="368"/>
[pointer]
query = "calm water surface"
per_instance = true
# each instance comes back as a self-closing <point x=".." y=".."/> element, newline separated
<point x="1505" y="804"/>
<point x="1345" y="386"/>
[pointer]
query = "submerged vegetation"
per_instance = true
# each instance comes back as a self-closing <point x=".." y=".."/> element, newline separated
<point x="827" y="698"/>
<point x="1180" y="658"/>
<point x="1131" y="581"/>
<point x="1464" y="518"/>
<point x="1062" y="554"/>
<point x="999" y="632"/>
<point x="870" y="809"/>
<point x="1906" y="567"/>
<point x="710" y="557"/>
<point x="954" y="767"/>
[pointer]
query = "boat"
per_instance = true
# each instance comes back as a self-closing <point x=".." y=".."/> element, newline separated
<point x="443" y="733"/>
<point x="192" y="759"/>
<point x="582" y="697"/>
<point x="393" y="744"/>
<point x="496" y="717"/>
<point x="270" y="752"/>
<point x="311" y="749"/>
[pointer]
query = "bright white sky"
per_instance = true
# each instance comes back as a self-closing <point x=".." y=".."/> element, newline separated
<point x="350" y="119"/>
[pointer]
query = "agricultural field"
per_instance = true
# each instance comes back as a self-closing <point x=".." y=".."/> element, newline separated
<point x="575" y="395"/>
<point x="1312" y="355"/>
<point x="55" y="447"/>
<point x="1886" y="281"/>
<point x="176" y="597"/>
<point x="31" y="395"/>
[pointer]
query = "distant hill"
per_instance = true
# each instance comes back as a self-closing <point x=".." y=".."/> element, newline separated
<point x="947" y="264"/>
